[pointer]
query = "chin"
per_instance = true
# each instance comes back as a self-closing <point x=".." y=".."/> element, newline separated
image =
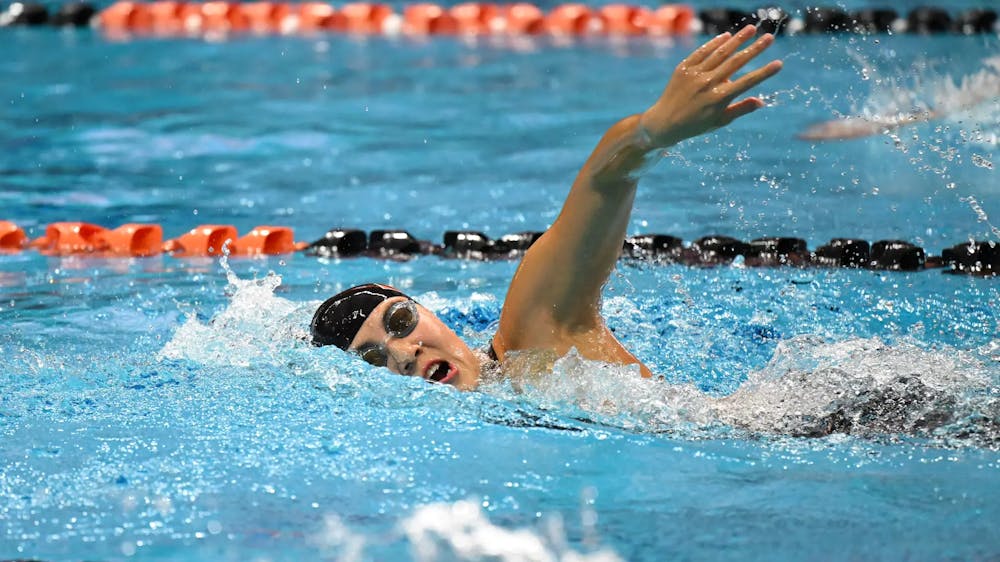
<point x="468" y="378"/>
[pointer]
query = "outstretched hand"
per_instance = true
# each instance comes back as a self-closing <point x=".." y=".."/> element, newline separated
<point x="700" y="94"/>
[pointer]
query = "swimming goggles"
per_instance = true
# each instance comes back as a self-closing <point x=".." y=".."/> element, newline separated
<point x="399" y="321"/>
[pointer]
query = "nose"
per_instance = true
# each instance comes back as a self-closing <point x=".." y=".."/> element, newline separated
<point x="404" y="353"/>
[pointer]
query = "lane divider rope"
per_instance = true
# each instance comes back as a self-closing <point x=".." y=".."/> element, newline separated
<point x="171" y="18"/>
<point x="979" y="258"/>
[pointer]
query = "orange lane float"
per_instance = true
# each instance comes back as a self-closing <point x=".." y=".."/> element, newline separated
<point x="203" y="240"/>
<point x="133" y="239"/>
<point x="317" y="16"/>
<point x="623" y="19"/>
<point x="573" y="19"/>
<point x="66" y="238"/>
<point x="365" y="18"/>
<point x="523" y="19"/>
<point x="143" y="240"/>
<point x="223" y="17"/>
<point x="267" y="241"/>
<point x="62" y="238"/>
<point x="192" y="20"/>
<point x="170" y="17"/>
<point x="127" y="17"/>
<point x="672" y="19"/>
<point x="265" y="17"/>
<point x="215" y="239"/>
<point x="12" y="237"/>
<point x="428" y="19"/>
<point x="473" y="18"/>
<point x="167" y="17"/>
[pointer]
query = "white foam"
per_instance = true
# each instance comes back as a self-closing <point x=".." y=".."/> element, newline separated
<point x="968" y="104"/>
<point x="461" y="531"/>
<point x="337" y="539"/>
<point x="616" y="394"/>
<point x="811" y="386"/>
<point x="256" y="326"/>
<point x="877" y="386"/>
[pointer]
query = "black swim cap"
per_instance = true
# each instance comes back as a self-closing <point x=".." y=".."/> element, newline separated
<point x="340" y="317"/>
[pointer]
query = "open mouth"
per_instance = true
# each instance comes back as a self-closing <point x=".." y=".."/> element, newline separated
<point x="440" y="371"/>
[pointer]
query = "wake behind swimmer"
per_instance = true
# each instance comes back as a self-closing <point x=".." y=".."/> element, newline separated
<point x="947" y="98"/>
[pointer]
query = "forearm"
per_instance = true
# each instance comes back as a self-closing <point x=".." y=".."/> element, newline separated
<point x="586" y="238"/>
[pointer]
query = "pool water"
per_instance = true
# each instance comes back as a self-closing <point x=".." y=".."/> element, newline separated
<point x="169" y="409"/>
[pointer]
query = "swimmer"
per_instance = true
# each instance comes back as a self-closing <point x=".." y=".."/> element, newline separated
<point x="553" y="302"/>
<point x="970" y="92"/>
<point x="858" y="127"/>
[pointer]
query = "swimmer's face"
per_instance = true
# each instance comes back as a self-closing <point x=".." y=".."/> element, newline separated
<point x="432" y="351"/>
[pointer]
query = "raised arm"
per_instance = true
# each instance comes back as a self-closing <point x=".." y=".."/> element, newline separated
<point x="554" y="299"/>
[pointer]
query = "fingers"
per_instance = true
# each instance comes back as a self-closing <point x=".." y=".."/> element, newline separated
<point x="701" y="53"/>
<point x="742" y="107"/>
<point x="728" y="48"/>
<point x="751" y="79"/>
<point x="736" y="62"/>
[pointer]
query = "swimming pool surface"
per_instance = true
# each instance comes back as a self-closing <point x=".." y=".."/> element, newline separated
<point x="168" y="409"/>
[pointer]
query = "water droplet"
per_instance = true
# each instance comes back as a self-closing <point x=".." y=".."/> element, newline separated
<point x="981" y="161"/>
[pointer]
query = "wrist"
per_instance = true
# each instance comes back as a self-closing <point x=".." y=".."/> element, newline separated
<point x="644" y="140"/>
<point x="654" y="137"/>
<point x="627" y="151"/>
<point x="651" y="151"/>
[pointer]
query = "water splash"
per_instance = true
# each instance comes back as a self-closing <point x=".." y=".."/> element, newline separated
<point x="255" y="327"/>
<point x="461" y="531"/>
<point x="338" y="540"/>
<point x="982" y="161"/>
<point x="920" y="95"/>
<point x="867" y="387"/>
<point x="812" y="385"/>
<point x="981" y="215"/>
<point x="811" y="388"/>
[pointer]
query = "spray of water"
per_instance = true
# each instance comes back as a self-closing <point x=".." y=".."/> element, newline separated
<point x="459" y="531"/>
<point x="812" y="386"/>
<point x="920" y="95"/>
<point x="256" y="326"/>
<point x="965" y="109"/>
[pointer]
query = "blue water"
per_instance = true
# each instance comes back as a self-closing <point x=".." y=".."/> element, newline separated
<point x="166" y="409"/>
